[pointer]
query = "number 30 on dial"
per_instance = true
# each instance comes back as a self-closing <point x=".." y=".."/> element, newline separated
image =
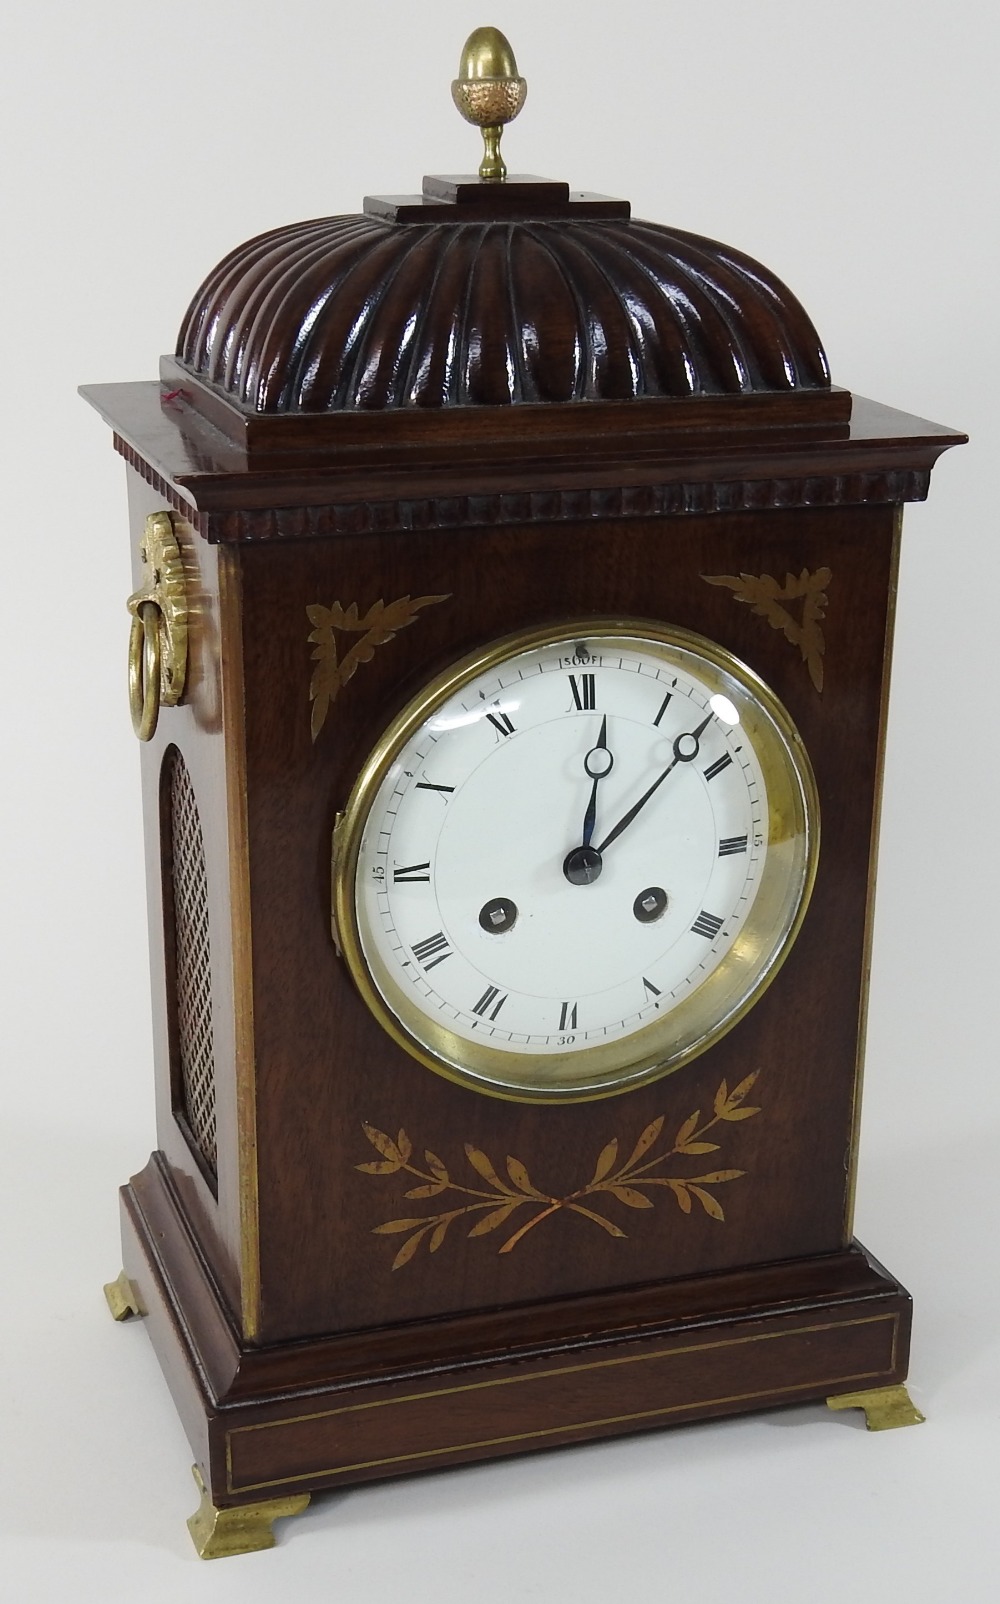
<point x="576" y="859"/>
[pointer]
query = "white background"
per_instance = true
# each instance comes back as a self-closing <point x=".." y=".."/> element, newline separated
<point x="851" y="147"/>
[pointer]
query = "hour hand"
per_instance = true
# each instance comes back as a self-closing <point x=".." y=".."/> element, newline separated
<point x="582" y="866"/>
<point x="598" y="763"/>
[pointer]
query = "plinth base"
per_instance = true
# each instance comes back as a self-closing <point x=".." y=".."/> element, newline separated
<point x="270" y="1425"/>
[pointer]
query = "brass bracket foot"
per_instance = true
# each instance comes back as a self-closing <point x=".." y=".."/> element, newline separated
<point x="217" y="1533"/>
<point x="884" y="1407"/>
<point x="123" y="1300"/>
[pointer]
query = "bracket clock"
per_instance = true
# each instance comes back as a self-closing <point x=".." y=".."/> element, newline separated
<point x="510" y="637"/>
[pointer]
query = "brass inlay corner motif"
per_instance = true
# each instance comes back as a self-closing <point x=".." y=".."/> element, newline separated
<point x="502" y="1198"/>
<point x="777" y="602"/>
<point x="378" y="625"/>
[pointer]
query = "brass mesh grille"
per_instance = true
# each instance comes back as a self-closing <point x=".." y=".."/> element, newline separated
<point x="195" y="1045"/>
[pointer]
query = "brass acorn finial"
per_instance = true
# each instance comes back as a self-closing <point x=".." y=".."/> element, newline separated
<point x="489" y="93"/>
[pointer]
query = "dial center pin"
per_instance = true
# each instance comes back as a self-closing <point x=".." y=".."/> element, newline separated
<point x="583" y="866"/>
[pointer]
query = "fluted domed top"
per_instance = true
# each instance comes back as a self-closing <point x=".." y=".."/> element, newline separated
<point x="348" y="314"/>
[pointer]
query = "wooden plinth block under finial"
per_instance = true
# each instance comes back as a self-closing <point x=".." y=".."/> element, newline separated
<point x="489" y="93"/>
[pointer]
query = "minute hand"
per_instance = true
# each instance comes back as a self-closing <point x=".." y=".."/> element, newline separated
<point x="690" y="738"/>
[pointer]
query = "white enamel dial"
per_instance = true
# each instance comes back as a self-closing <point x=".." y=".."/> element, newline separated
<point x="574" y="861"/>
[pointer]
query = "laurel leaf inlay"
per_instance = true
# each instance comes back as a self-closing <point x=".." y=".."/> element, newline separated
<point x="628" y="1184"/>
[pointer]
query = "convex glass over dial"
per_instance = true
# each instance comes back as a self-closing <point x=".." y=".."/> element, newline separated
<point x="576" y="859"/>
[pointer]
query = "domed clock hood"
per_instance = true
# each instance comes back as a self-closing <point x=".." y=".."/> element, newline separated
<point x="360" y="313"/>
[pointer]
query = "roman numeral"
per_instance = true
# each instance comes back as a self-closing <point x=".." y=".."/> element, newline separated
<point x="410" y="873"/>
<point x="651" y="990"/>
<point x="707" y="924"/>
<point x="567" y="1016"/>
<point x="484" y="1005"/>
<point x="434" y="948"/>
<point x="428" y="785"/>
<point x="584" y="692"/>
<point x="730" y="844"/>
<point x="663" y="708"/>
<point x="717" y="767"/>
<point x="501" y="722"/>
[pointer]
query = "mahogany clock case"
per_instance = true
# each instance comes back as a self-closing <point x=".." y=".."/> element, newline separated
<point x="268" y="1257"/>
<point x="324" y="1067"/>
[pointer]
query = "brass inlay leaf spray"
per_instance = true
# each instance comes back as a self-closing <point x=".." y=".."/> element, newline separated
<point x="505" y="1196"/>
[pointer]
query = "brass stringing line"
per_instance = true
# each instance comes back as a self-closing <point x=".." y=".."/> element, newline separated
<point x="552" y="1431"/>
<point x="237" y="825"/>
<point x="864" y="1375"/>
<point x="873" y="852"/>
<point x="578" y="1369"/>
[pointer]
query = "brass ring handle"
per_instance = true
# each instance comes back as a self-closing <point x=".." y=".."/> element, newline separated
<point x="158" y="642"/>
<point x="144" y="669"/>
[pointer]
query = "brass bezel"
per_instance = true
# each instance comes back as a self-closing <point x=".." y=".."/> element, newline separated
<point x="726" y="995"/>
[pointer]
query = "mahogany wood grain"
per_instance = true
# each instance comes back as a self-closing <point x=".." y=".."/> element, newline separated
<point x="309" y="1416"/>
<point x="471" y="478"/>
<point x="195" y="728"/>
<point x="322" y="1269"/>
<point x="524" y="206"/>
<point x="477" y="310"/>
<point x="526" y="486"/>
<point x="506" y="433"/>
